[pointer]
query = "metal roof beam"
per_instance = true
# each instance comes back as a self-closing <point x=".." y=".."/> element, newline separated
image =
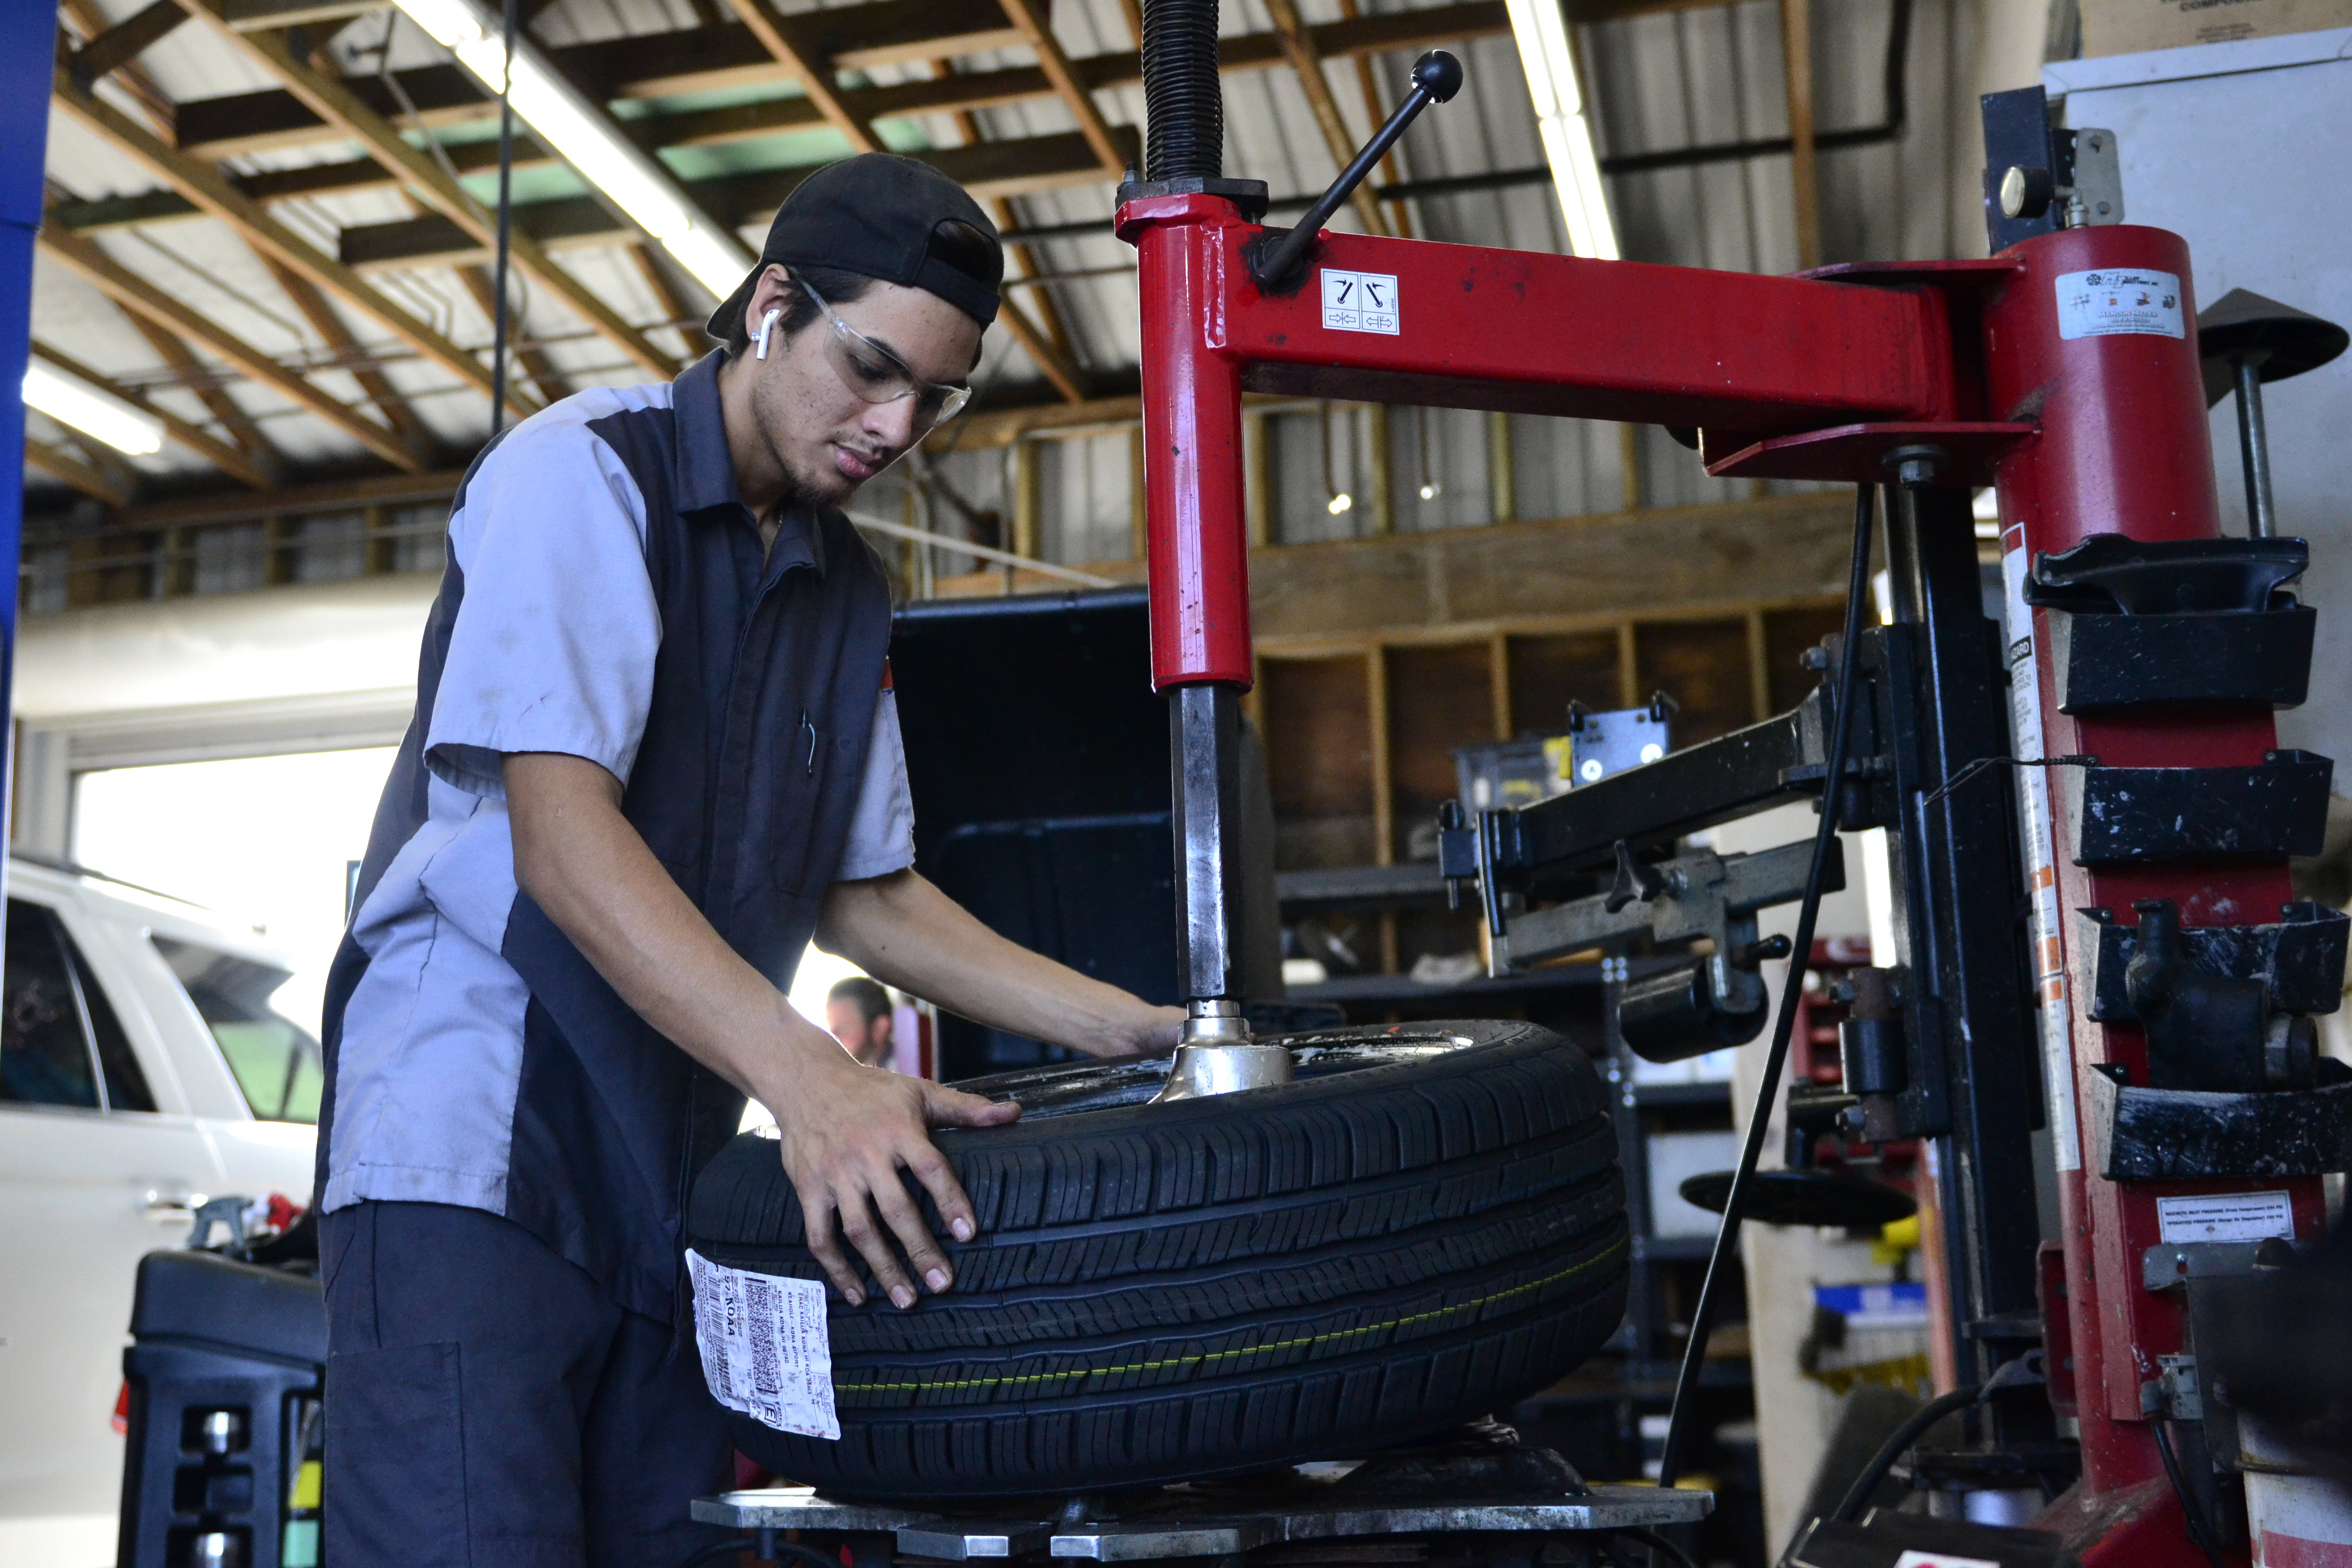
<point x="220" y="454"/>
<point x="132" y="292"/>
<point x="208" y="188"/>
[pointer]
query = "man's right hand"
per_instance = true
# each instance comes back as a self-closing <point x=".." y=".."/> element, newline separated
<point x="848" y="1130"/>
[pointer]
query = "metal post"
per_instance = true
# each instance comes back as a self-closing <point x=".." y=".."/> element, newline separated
<point x="25" y="64"/>
<point x="2124" y="446"/>
<point x="1217" y="1056"/>
<point x="1204" y="755"/>
<point x="2255" y="449"/>
<point x="1196" y="530"/>
<point x="1965" y="1001"/>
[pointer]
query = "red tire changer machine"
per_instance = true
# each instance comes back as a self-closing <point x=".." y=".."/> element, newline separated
<point x="2151" y="1003"/>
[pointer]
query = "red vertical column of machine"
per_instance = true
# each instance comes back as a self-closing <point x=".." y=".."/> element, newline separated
<point x="2124" y="448"/>
<point x="1197" y="527"/>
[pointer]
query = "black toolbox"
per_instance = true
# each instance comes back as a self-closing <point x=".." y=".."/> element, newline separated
<point x="225" y="1373"/>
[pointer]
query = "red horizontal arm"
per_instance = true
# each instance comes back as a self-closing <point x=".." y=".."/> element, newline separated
<point x="1529" y="333"/>
<point x="1467" y="327"/>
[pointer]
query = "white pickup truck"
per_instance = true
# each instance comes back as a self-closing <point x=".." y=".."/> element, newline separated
<point x="142" y="1071"/>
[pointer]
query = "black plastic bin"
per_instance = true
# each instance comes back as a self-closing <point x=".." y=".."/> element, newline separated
<point x="225" y="1372"/>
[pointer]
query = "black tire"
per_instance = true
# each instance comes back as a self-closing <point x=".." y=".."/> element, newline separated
<point x="1426" y="1227"/>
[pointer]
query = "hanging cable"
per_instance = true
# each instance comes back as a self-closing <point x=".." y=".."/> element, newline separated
<point x="1336" y="500"/>
<point x="1430" y="488"/>
<point x="1726" y="1237"/>
<point x="506" y="221"/>
<point x="2193" y="1512"/>
<point x="1899" y="1444"/>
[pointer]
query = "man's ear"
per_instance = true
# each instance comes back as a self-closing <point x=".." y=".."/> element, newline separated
<point x="779" y="277"/>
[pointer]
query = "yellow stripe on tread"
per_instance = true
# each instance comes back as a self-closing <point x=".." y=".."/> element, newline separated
<point x="1208" y="1356"/>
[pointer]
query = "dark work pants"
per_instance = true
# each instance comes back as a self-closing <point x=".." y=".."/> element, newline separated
<point x="488" y="1404"/>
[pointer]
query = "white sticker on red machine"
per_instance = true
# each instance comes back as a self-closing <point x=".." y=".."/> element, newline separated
<point x="2225" y="1216"/>
<point x="1360" y="301"/>
<point x="2054" y="1017"/>
<point x="766" y="1350"/>
<point x="2120" y="299"/>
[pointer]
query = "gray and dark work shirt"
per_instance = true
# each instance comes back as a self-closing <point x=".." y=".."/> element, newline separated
<point x="606" y="596"/>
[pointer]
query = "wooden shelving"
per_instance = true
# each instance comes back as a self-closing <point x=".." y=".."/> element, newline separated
<point x="1359" y="734"/>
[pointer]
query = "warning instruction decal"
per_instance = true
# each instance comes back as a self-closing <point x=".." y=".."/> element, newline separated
<point x="1360" y="301"/>
<point x="2121" y="299"/>
<point x="2235" y="1216"/>
<point x="2040" y="860"/>
<point x="765" y="1348"/>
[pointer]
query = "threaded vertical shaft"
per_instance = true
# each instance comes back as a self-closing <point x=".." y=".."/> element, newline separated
<point x="1184" y="107"/>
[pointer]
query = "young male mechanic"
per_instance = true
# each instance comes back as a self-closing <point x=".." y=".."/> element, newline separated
<point x="655" y="752"/>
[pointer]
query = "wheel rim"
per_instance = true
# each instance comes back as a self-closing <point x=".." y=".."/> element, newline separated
<point x="1070" y="1088"/>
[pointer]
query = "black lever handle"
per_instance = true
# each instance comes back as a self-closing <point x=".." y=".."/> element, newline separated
<point x="1436" y="76"/>
<point x="1633" y="881"/>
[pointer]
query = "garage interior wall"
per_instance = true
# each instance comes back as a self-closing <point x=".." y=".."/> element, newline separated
<point x="304" y="669"/>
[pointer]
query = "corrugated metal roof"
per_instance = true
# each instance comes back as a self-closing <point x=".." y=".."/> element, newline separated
<point x="1656" y="82"/>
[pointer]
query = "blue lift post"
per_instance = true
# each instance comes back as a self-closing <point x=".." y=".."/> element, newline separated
<point x="28" y="47"/>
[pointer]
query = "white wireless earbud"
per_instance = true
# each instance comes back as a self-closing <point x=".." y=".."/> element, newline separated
<point x="761" y="337"/>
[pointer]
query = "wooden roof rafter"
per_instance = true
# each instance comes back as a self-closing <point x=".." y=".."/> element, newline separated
<point x="1076" y="94"/>
<point x="257" y="450"/>
<point x="987" y="169"/>
<point x="789" y="44"/>
<point x="134" y="293"/>
<point x="333" y="101"/>
<point x="1306" y="64"/>
<point x="180" y="432"/>
<point x="208" y="189"/>
<point x="695" y="58"/>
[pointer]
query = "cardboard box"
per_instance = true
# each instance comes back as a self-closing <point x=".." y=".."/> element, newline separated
<point x="2128" y="27"/>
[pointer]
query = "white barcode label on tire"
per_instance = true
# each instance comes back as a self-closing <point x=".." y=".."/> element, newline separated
<point x="766" y="1351"/>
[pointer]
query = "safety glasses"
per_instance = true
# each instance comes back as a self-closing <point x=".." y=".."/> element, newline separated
<point x="877" y="375"/>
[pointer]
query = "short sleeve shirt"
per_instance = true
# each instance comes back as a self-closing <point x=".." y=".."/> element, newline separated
<point x="551" y="649"/>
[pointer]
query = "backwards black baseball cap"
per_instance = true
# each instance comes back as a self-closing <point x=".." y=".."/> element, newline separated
<point x="882" y="216"/>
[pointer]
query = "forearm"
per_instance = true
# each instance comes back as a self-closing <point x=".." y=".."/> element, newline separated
<point x="587" y="868"/>
<point x="903" y="930"/>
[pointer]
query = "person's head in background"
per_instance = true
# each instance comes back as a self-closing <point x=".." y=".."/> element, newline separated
<point x="857" y="1012"/>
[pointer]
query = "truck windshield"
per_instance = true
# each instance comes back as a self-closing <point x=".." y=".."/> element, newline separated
<point x="275" y="1062"/>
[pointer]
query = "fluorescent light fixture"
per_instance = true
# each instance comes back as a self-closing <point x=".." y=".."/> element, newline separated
<point x="1541" y="32"/>
<point x="92" y="410"/>
<point x="577" y="131"/>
